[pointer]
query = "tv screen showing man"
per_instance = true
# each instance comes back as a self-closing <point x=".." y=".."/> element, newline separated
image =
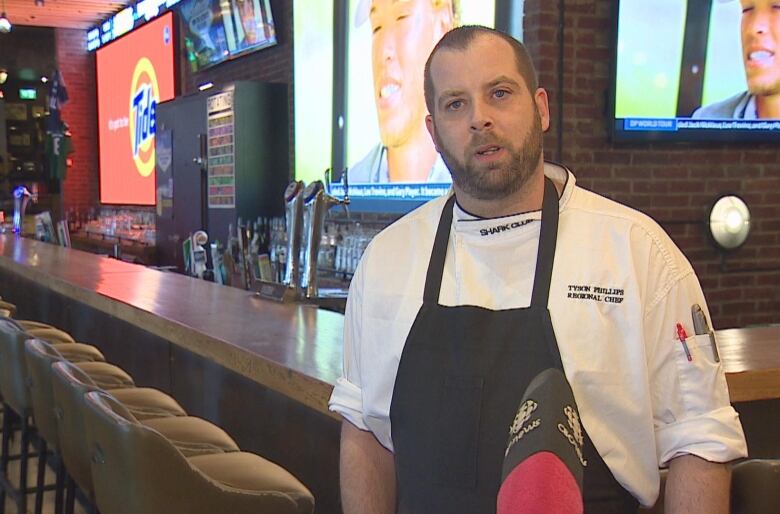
<point x="760" y="34"/>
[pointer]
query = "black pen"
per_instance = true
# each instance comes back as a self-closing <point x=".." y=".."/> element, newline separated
<point x="700" y="326"/>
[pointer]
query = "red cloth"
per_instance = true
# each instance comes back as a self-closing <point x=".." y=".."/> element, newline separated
<point x="541" y="484"/>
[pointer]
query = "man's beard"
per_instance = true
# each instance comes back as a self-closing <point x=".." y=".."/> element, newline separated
<point x="495" y="181"/>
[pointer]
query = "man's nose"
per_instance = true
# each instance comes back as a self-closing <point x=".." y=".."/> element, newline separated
<point x="386" y="47"/>
<point x="759" y="23"/>
<point x="480" y="118"/>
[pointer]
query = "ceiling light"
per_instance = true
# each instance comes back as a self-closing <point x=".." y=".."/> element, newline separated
<point x="205" y="86"/>
<point x="3" y="75"/>
<point x="44" y="80"/>
<point x="729" y="222"/>
<point x="5" y="24"/>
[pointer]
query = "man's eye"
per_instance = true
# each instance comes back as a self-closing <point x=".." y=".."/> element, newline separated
<point x="376" y="29"/>
<point x="454" y="105"/>
<point x="500" y="93"/>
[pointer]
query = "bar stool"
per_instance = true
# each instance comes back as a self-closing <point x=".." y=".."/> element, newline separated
<point x="39" y="356"/>
<point x="17" y="408"/>
<point x="70" y="383"/>
<point x="136" y="469"/>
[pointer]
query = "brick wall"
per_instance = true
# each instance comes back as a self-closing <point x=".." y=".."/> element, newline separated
<point x="674" y="183"/>
<point x="80" y="188"/>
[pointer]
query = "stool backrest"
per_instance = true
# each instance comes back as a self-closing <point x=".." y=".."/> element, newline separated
<point x="39" y="356"/>
<point x="13" y="371"/>
<point x="69" y="384"/>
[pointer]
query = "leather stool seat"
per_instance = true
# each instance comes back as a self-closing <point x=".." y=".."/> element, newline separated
<point x="191" y="435"/>
<point x="136" y="469"/>
<point x="106" y="375"/>
<point x="50" y="334"/>
<point x="8" y="306"/>
<point x="28" y="324"/>
<point x="79" y="352"/>
<point x="250" y="472"/>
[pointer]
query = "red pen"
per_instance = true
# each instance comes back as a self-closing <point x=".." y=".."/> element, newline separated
<point x="683" y="336"/>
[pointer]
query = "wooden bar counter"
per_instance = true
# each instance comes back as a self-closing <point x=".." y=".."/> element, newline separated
<point x="292" y="349"/>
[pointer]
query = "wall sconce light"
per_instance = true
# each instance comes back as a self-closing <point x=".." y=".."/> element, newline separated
<point x="729" y="222"/>
<point x="5" y="23"/>
<point x="3" y="75"/>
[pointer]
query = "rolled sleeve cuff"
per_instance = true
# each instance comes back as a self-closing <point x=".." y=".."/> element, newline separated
<point x="716" y="436"/>
<point x="347" y="400"/>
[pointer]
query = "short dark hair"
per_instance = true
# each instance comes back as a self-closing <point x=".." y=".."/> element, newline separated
<point x="460" y="38"/>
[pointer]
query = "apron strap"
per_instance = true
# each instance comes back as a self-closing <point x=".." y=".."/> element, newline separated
<point x="546" y="251"/>
<point x="438" y="254"/>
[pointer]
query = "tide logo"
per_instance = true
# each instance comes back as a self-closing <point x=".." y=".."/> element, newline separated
<point x="144" y="95"/>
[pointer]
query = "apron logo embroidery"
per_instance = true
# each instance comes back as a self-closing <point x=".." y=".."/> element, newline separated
<point x="595" y="293"/>
<point x="575" y="436"/>
<point x="505" y="227"/>
<point x="518" y="430"/>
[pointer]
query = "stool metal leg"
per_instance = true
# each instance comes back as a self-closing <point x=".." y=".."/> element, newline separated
<point x="41" y="475"/>
<point x="70" y="495"/>
<point x="60" y="486"/>
<point x="6" y="440"/>
<point x="23" y="462"/>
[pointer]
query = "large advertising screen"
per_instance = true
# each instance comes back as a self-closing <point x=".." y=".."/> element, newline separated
<point x="134" y="74"/>
<point x="383" y="121"/>
<point x="694" y="70"/>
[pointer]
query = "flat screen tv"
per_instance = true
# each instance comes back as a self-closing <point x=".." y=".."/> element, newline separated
<point x="371" y="104"/>
<point x="218" y="30"/>
<point x="694" y="70"/>
<point x="134" y="74"/>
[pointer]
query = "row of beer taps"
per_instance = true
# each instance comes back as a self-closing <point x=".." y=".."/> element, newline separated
<point x="305" y="210"/>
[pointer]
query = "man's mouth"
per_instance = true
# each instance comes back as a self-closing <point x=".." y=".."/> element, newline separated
<point x="488" y="150"/>
<point x="388" y="90"/>
<point x="761" y="56"/>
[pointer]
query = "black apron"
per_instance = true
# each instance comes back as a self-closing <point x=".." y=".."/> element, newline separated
<point x="460" y="379"/>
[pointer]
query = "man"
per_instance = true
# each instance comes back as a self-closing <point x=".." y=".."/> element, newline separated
<point x="456" y="307"/>
<point x="404" y="32"/>
<point x="760" y="42"/>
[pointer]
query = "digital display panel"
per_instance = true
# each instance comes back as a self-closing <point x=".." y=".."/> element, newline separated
<point x="134" y="74"/>
<point x="216" y="30"/>
<point x="696" y="71"/>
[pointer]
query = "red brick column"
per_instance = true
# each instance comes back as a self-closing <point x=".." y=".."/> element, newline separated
<point x="80" y="188"/>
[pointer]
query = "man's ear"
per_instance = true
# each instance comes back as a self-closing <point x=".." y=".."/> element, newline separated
<point x="543" y="106"/>
<point x="431" y="130"/>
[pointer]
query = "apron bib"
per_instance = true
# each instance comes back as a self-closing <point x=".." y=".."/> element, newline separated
<point x="460" y="379"/>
